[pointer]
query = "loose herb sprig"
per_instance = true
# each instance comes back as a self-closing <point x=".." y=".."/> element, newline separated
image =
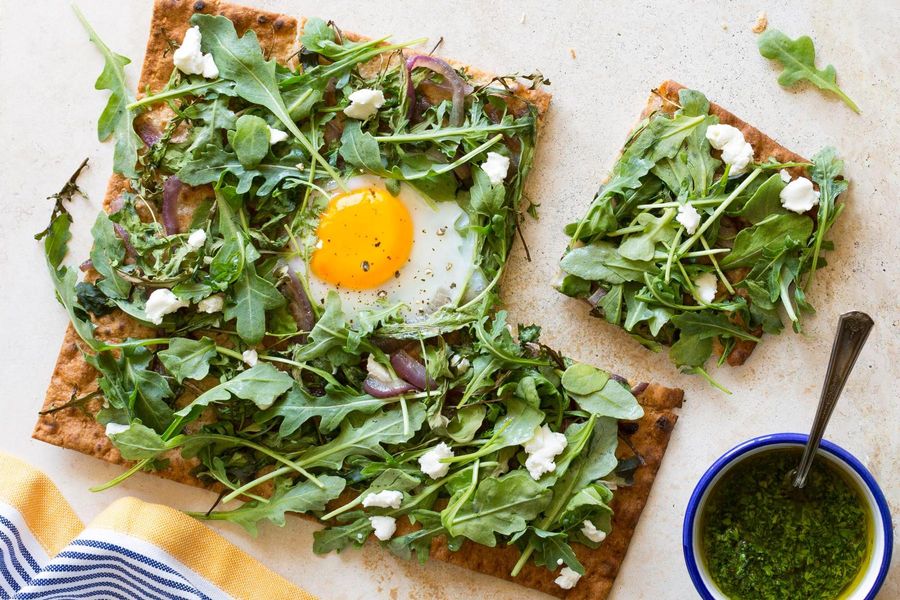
<point x="297" y="429"/>
<point x="798" y="58"/>
<point x="638" y="267"/>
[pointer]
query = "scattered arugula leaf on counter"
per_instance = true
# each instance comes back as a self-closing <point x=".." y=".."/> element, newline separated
<point x="117" y="119"/>
<point x="798" y="59"/>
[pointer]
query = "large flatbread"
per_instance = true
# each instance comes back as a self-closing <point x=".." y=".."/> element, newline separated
<point x="76" y="429"/>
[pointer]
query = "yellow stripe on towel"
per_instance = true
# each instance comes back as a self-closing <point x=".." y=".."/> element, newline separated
<point x="47" y="514"/>
<point x="198" y="548"/>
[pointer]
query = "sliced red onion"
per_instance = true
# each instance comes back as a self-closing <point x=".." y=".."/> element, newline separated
<point x="619" y="378"/>
<point x="380" y="389"/>
<point x="300" y="306"/>
<point x="116" y="204"/>
<point x="149" y="134"/>
<point x="387" y="344"/>
<point x="457" y="84"/>
<point x="171" y="192"/>
<point x="639" y="388"/>
<point x="597" y="296"/>
<point x="411" y="370"/>
<point x="126" y="240"/>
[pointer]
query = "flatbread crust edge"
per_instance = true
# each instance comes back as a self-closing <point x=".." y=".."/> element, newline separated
<point x="75" y="428"/>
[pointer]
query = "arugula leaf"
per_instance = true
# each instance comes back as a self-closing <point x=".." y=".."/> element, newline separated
<point x="330" y="331"/>
<point x="600" y="261"/>
<point x="188" y="359"/>
<point x="116" y="119"/>
<point x="298" y="406"/>
<point x="501" y="505"/>
<point x="65" y="279"/>
<point x="465" y="424"/>
<point x="751" y="242"/>
<point x="250" y="140"/>
<point x="336" y="538"/>
<point x="260" y="384"/>
<point x="612" y="400"/>
<point x="384" y="427"/>
<point x="301" y="497"/>
<point x="640" y="311"/>
<point x="136" y="441"/>
<point x="798" y="57"/>
<point x="150" y="389"/>
<point x="610" y="304"/>
<point x="253" y="295"/>
<point x="589" y="504"/>
<point x="700" y="163"/>
<point x="211" y="162"/>
<point x="486" y="198"/>
<point x="691" y="350"/>
<point x="418" y="541"/>
<point x="106" y="254"/>
<point x="552" y="550"/>
<point x="214" y="116"/>
<point x="826" y="172"/>
<point x="642" y="247"/>
<point x="765" y="201"/>
<point x="93" y="299"/>
<point x="360" y="149"/>
<point x="582" y="379"/>
<point x="708" y="324"/>
<point x="587" y="465"/>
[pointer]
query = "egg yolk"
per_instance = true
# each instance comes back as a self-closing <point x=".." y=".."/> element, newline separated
<point x="365" y="238"/>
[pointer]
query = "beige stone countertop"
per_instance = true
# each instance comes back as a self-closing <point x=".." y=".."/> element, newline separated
<point x="602" y="59"/>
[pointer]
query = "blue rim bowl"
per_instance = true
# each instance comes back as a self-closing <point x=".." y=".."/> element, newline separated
<point x="875" y="571"/>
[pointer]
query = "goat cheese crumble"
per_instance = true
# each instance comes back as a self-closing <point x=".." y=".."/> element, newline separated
<point x="431" y="464"/>
<point x="567" y="578"/>
<point x="190" y="60"/>
<point x="496" y="167"/>
<point x="689" y="217"/>
<point x="799" y="196"/>
<point x="276" y="136"/>
<point x="735" y="149"/>
<point x="591" y="532"/>
<point x="211" y="304"/>
<point x="706" y="287"/>
<point x="161" y="303"/>
<point x="384" y="499"/>
<point x="384" y="527"/>
<point x="250" y="357"/>
<point x="364" y="104"/>
<point x="542" y="448"/>
<point x="197" y="238"/>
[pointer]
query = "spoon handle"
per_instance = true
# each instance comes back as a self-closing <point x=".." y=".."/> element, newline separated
<point x="853" y="330"/>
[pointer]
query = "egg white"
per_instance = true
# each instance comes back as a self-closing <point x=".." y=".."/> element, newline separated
<point x="440" y="263"/>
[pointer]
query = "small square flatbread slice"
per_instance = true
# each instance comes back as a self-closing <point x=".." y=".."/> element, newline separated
<point x="665" y="99"/>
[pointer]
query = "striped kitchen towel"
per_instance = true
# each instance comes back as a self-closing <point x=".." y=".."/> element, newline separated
<point x="132" y="550"/>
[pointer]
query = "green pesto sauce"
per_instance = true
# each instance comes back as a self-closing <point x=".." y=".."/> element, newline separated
<point x="762" y="541"/>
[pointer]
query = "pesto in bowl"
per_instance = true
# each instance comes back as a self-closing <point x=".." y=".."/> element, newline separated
<point x="762" y="539"/>
<point x="746" y="534"/>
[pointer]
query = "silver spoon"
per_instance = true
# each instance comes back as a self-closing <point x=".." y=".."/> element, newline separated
<point x="853" y="330"/>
